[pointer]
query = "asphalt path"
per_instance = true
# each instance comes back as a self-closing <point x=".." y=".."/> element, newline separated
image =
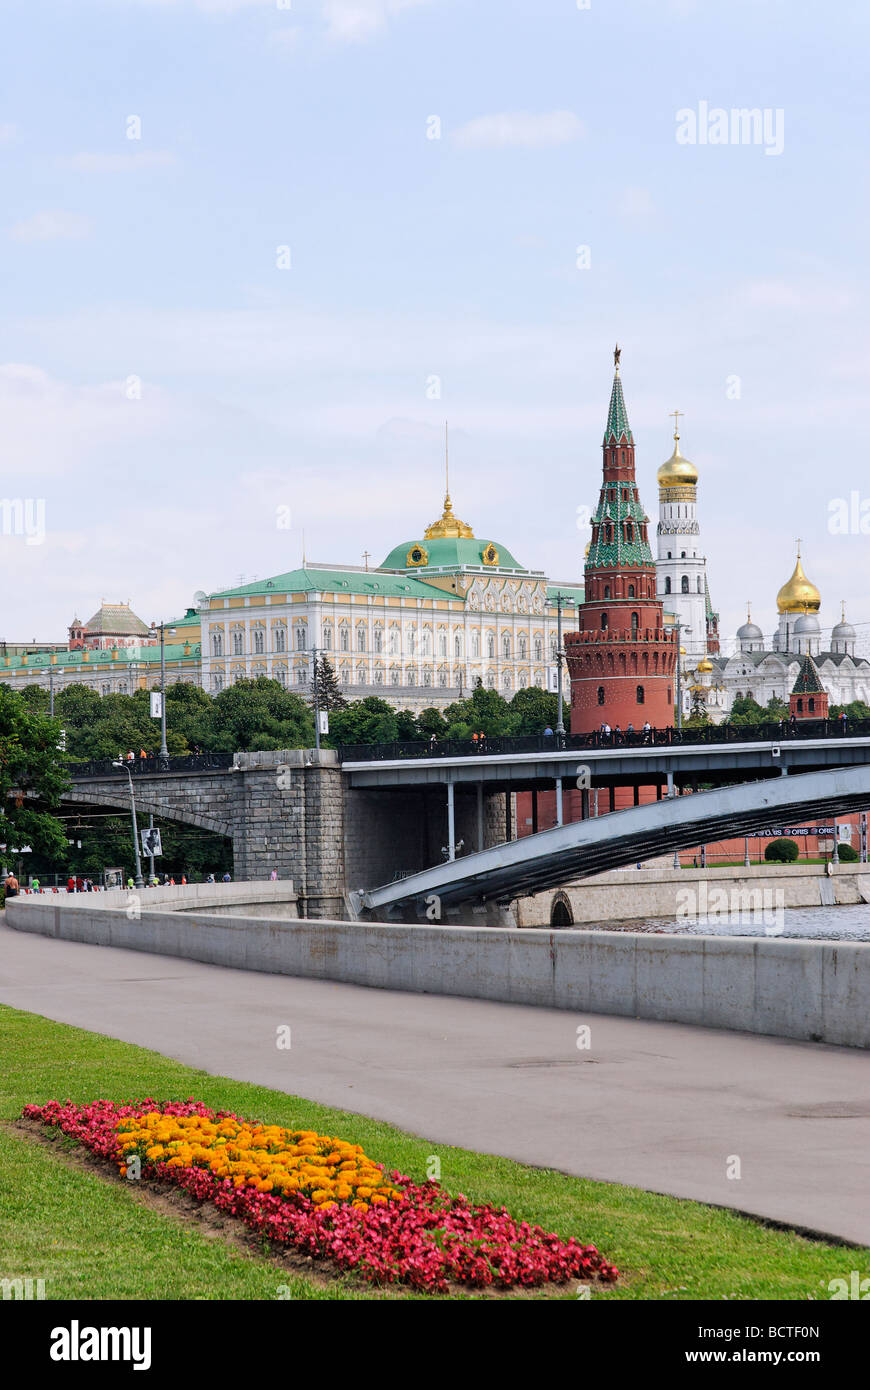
<point x="663" y="1106"/>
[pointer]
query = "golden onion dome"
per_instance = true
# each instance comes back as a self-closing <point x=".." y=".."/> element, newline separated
<point x="705" y="665"/>
<point x="448" y="526"/>
<point x="677" y="471"/>
<point x="798" y="595"/>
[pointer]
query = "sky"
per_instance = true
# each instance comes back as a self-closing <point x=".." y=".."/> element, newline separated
<point x="253" y="254"/>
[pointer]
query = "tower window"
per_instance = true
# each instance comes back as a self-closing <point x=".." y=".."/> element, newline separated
<point x="607" y="591"/>
<point x="601" y="694"/>
<point x="684" y="584"/>
<point x="668" y="582"/>
<point x="634" y="624"/>
<point x="604" y="621"/>
<point x="640" y="695"/>
<point x="631" y="591"/>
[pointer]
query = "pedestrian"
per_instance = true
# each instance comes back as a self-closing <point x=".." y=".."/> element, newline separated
<point x="617" y="734"/>
<point x="843" y="722"/>
<point x="474" y="742"/>
<point x="630" y="729"/>
<point x="35" y="885"/>
<point x="80" y="884"/>
<point x="210" y="878"/>
<point x="482" y="739"/>
<point x="184" y="880"/>
<point x="70" y="884"/>
<point x="130" y="883"/>
<point x="12" y="886"/>
<point x="792" y="724"/>
<point x="607" y="732"/>
<point x="273" y="875"/>
<point x="142" y="756"/>
<point x="432" y="743"/>
<point x="548" y="732"/>
<point x="226" y="878"/>
<point x="131" y="758"/>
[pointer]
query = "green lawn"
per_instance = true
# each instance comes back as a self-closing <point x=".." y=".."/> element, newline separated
<point x="90" y="1237"/>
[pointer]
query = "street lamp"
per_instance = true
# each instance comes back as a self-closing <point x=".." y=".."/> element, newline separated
<point x="163" y="758"/>
<point x="681" y="628"/>
<point x="139" y="880"/>
<point x="560" y="599"/>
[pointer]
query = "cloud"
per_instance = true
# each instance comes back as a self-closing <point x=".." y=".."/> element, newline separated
<point x="87" y="163"/>
<point x="353" y="21"/>
<point x="52" y="226"/>
<point x="520" y="130"/>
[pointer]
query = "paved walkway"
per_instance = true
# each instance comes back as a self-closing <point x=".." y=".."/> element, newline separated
<point x="658" y="1105"/>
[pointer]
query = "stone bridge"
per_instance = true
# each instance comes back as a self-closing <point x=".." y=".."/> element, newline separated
<point x="293" y="811"/>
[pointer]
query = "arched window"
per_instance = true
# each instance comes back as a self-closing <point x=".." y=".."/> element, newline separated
<point x="475" y="644"/>
<point x="360" y="639"/>
<point x="217" y="644"/>
<point x="539" y="649"/>
<point x="601" y="694"/>
<point x="522" y="647"/>
<point x="667" y="584"/>
<point x="457" y="644"/>
<point x="607" y="591"/>
<point x="238" y="643"/>
<point x="301" y="637"/>
<point x="640" y="695"/>
<point x="700" y="585"/>
<point x="604" y="622"/>
<point x="281" y="639"/>
<point x="506" y="647"/>
<point x="327" y="637"/>
<point x="634" y="624"/>
<point x="345" y="639"/>
<point x="379" y="640"/>
<point x="490" y="645"/>
<point x="631" y="591"/>
<point x="684" y="584"/>
<point x="394" y="642"/>
<point x="259" y="641"/>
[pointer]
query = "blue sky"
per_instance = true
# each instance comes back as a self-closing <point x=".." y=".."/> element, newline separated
<point x="257" y="389"/>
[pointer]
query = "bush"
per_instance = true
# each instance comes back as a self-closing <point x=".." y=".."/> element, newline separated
<point x="782" y="851"/>
<point x="847" y="854"/>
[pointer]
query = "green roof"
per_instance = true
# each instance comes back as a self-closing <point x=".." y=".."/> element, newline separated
<point x="572" y="591"/>
<point x="99" y="660"/>
<point x="808" y="680"/>
<point x="338" y="581"/>
<point x="451" y="553"/>
<point x="617" y="416"/>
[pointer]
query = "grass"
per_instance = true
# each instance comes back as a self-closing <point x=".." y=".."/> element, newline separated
<point x="90" y="1237"/>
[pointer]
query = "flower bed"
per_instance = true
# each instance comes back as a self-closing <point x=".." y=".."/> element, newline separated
<point x="324" y="1197"/>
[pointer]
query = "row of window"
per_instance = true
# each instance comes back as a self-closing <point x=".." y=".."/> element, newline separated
<point x="684" y="584"/>
<point x="301" y="637"/>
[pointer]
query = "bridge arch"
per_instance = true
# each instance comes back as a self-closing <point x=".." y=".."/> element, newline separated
<point x="149" y="804"/>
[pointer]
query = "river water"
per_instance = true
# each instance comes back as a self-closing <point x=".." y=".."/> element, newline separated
<point x="815" y="923"/>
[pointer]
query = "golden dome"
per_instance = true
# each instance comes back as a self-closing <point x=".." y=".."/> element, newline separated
<point x="798" y="595"/>
<point x="448" y="526"/>
<point x="677" y="471"/>
<point x="705" y="665"/>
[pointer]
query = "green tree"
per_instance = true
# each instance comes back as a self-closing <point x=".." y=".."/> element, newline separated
<point x="370" y="720"/>
<point x="746" y="711"/>
<point x="32" y="777"/>
<point x="698" y="717"/>
<point x="326" y="684"/>
<point x="430" y="721"/>
<point x="484" y="712"/>
<point x="783" y="851"/>
<point x="776" y="709"/>
<point x="535" y="709"/>
<point x="260" y="715"/>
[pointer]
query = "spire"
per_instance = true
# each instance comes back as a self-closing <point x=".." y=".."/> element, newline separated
<point x="808" y="680"/>
<point x="617" y="415"/>
<point x="447" y="524"/>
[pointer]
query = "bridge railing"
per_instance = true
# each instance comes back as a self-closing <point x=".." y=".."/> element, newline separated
<point x="637" y="738"/>
<point x="191" y="762"/>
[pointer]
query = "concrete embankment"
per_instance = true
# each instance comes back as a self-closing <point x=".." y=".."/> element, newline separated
<point x="635" y="894"/>
<point x="809" y="990"/>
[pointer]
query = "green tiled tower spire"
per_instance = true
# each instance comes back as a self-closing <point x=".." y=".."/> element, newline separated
<point x="619" y="524"/>
<point x="617" y="426"/>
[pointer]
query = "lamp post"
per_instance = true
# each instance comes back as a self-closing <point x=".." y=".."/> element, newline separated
<point x="681" y="628"/>
<point x="163" y="758"/>
<point x="314" y="652"/>
<point x="560" y="721"/>
<point x="139" y="880"/>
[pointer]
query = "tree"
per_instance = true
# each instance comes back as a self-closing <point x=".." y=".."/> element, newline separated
<point x="782" y="851"/>
<point x="535" y="709"/>
<point x="326" y="685"/>
<point x="429" y="722"/>
<point x="484" y="712"/>
<point x="746" y="711"/>
<point x="776" y="709"/>
<point x="370" y="720"/>
<point x="260" y="715"/>
<point x="32" y="777"/>
<point x="698" y="717"/>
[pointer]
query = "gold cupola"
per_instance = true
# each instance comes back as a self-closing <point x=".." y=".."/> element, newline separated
<point x="677" y="471"/>
<point x="798" y="595"/>
<point x="705" y="666"/>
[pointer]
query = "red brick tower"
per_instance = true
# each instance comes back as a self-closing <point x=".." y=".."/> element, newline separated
<point x="809" y="698"/>
<point x="622" y="659"/>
